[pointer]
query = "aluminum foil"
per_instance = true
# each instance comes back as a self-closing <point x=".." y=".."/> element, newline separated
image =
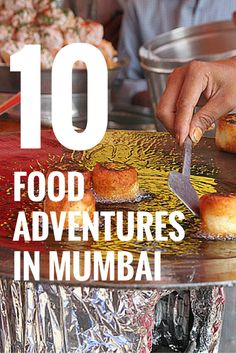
<point x="37" y="318"/>
<point x="207" y="306"/>
<point x="173" y="320"/>
<point x="46" y="318"/>
<point x="190" y="321"/>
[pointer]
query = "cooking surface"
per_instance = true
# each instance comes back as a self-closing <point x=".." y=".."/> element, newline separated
<point x="191" y="262"/>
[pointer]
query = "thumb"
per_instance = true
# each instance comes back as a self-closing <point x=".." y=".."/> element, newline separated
<point x="205" y="118"/>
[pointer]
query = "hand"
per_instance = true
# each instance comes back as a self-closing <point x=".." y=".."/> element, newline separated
<point x="216" y="81"/>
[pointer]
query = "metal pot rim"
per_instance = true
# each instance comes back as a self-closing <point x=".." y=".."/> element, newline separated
<point x="152" y="61"/>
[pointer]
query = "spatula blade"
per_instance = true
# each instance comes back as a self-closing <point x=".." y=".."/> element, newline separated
<point x="181" y="186"/>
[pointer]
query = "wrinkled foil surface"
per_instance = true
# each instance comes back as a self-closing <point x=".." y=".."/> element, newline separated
<point x="47" y="318"/>
<point x="190" y="321"/>
<point x="207" y="306"/>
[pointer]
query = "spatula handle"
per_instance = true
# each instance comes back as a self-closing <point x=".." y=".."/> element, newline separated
<point x="10" y="103"/>
<point x="187" y="157"/>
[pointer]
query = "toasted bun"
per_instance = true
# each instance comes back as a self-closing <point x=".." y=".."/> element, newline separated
<point x="218" y="214"/>
<point x="87" y="204"/>
<point x="226" y="133"/>
<point x="115" y="181"/>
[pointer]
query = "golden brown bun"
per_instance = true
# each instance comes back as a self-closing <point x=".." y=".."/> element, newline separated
<point x="226" y="133"/>
<point x="115" y="181"/>
<point x="70" y="167"/>
<point x="218" y="214"/>
<point x="87" y="204"/>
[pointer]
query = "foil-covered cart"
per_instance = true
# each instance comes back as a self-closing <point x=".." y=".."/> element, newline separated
<point x="183" y="311"/>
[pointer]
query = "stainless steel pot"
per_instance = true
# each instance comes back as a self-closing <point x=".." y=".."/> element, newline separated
<point x="209" y="42"/>
<point x="10" y="81"/>
<point x="10" y="84"/>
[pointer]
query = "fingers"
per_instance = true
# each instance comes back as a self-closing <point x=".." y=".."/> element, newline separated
<point x="166" y="109"/>
<point x="206" y="117"/>
<point x="183" y="91"/>
<point x="195" y="83"/>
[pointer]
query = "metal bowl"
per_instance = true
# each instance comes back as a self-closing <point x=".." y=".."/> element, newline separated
<point x="10" y="84"/>
<point x="212" y="41"/>
<point x="10" y="81"/>
<point x="208" y="42"/>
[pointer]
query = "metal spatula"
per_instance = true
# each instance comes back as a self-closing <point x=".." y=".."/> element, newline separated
<point x="180" y="184"/>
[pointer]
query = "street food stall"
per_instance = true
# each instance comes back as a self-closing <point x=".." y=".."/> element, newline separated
<point x="175" y="303"/>
<point x="40" y="308"/>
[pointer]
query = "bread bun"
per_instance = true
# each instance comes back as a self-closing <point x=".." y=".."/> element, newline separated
<point x="218" y="214"/>
<point x="226" y="133"/>
<point x="87" y="204"/>
<point x="115" y="182"/>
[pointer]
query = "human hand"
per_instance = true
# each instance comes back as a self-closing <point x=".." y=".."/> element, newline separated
<point x="216" y="81"/>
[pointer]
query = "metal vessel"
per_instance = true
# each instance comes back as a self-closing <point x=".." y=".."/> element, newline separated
<point x="10" y="84"/>
<point x="208" y="42"/>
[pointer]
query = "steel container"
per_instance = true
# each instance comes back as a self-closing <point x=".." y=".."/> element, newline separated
<point x="208" y="42"/>
<point x="10" y="84"/>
